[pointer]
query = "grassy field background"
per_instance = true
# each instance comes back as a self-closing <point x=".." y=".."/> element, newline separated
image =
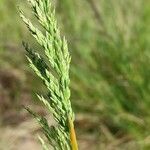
<point x="109" y="41"/>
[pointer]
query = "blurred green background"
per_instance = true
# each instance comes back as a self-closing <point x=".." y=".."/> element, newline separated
<point x="109" y="41"/>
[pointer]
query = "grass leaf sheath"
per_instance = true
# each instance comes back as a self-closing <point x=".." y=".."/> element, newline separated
<point x="53" y="69"/>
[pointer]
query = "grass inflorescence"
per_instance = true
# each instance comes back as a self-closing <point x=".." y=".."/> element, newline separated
<point x="53" y="69"/>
